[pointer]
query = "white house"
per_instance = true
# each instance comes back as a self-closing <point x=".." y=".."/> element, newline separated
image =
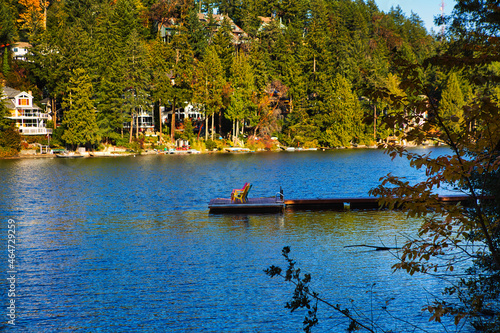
<point x="143" y="119"/>
<point x="193" y="111"/>
<point x="20" y="50"/>
<point x="29" y="118"/>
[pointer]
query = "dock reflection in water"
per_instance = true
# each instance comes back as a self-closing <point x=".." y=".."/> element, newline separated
<point x="128" y="244"/>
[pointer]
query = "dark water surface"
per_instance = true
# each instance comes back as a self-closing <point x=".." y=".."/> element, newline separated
<point x="127" y="244"/>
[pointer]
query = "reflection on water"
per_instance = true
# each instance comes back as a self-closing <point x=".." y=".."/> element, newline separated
<point x="128" y="245"/>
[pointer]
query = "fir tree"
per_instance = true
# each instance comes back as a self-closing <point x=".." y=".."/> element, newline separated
<point x="181" y="63"/>
<point x="197" y="34"/>
<point x="339" y="116"/>
<point x="223" y="43"/>
<point x="242" y="104"/>
<point x="209" y="85"/>
<point x="79" y="118"/>
<point x="137" y="79"/>
<point x="452" y="103"/>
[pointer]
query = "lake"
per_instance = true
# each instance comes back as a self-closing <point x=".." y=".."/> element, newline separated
<point x="127" y="244"/>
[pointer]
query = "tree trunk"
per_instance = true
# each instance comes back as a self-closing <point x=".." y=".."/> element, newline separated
<point x="220" y="122"/>
<point x="172" y="124"/>
<point x="137" y="126"/>
<point x="131" y="129"/>
<point x="54" y="111"/>
<point x="237" y="130"/>
<point x="213" y="125"/>
<point x="206" y="127"/>
<point x="159" y="112"/>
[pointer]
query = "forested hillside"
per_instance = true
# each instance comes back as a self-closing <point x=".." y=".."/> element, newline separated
<point x="304" y="70"/>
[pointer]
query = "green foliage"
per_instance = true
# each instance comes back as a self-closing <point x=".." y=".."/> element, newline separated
<point x="10" y="140"/>
<point x="301" y="44"/>
<point x="188" y="133"/>
<point x="8" y="31"/>
<point x="4" y="122"/>
<point x="182" y="69"/>
<point x="222" y="42"/>
<point x="56" y="137"/>
<point x="209" y="83"/>
<point x="452" y="102"/>
<point x="197" y="33"/>
<point x="210" y="144"/>
<point x="79" y="119"/>
<point x="6" y="62"/>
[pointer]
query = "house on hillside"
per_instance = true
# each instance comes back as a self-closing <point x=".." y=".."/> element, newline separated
<point x="143" y="120"/>
<point x="28" y="117"/>
<point x="169" y="27"/>
<point x="238" y="33"/>
<point x="192" y="111"/>
<point x="266" y="21"/>
<point x="20" y="51"/>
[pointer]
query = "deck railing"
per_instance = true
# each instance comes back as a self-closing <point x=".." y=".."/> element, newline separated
<point x="27" y="114"/>
<point x="35" y="130"/>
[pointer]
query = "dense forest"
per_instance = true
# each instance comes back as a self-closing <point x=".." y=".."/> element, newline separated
<point x="304" y="71"/>
<point x="324" y="73"/>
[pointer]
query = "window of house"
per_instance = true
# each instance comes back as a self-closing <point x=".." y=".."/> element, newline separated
<point x="23" y="102"/>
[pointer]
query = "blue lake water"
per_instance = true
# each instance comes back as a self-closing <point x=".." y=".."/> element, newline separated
<point x="127" y="244"/>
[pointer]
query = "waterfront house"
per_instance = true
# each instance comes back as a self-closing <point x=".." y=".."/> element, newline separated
<point x="142" y="119"/>
<point x="20" y="50"/>
<point x="193" y="111"/>
<point x="28" y="117"/>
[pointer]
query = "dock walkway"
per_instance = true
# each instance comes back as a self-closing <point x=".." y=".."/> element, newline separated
<point x="274" y="204"/>
<point x="253" y="205"/>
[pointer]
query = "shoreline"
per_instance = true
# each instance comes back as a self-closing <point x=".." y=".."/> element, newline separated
<point x="102" y="154"/>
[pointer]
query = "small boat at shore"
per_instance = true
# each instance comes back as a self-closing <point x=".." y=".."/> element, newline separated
<point x="69" y="155"/>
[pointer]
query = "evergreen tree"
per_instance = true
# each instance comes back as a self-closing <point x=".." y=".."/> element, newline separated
<point x="242" y="104"/>
<point x="79" y="118"/>
<point x="452" y="103"/>
<point x="208" y="87"/>
<point x="197" y="34"/>
<point x="8" y="30"/>
<point x="223" y="43"/>
<point x="108" y="73"/>
<point x="137" y="80"/>
<point x="339" y="118"/>
<point x="181" y="63"/>
<point x="161" y="76"/>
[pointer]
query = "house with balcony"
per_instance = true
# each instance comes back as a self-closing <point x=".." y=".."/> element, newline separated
<point x="28" y="118"/>
<point x="142" y="119"/>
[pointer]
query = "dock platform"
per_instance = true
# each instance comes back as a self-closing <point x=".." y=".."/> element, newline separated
<point x="253" y="205"/>
<point x="274" y="204"/>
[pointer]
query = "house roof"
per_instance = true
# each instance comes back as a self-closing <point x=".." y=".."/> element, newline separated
<point x="266" y="20"/>
<point x="219" y="19"/>
<point x="169" y="23"/>
<point x="22" y="44"/>
<point x="10" y="92"/>
<point x="9" y="104"/>
<point x="45" y="101"/>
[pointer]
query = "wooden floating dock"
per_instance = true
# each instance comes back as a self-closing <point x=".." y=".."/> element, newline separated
<point x="258" y="205"/>
<point x="253" y="205"/>
<point x="333" y="203"/>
